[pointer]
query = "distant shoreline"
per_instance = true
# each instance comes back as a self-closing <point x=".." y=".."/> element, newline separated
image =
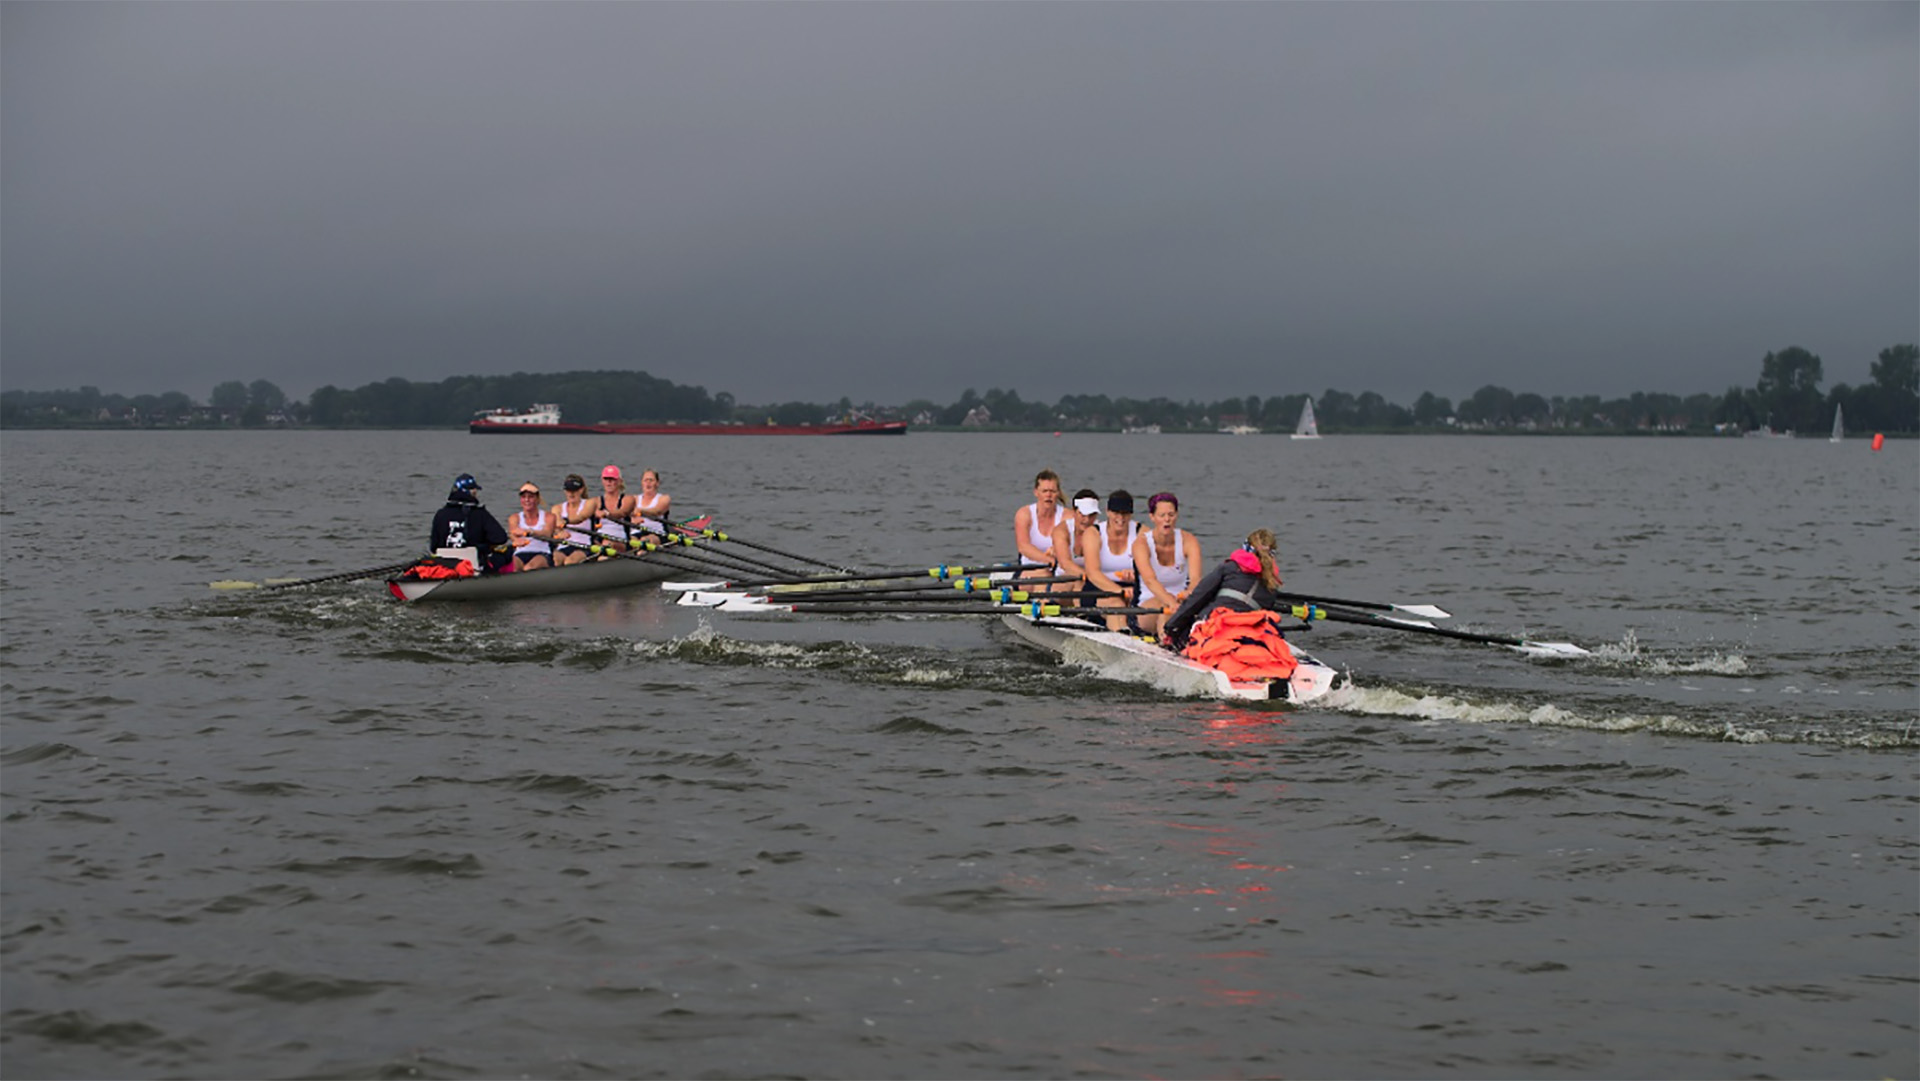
<point x="1280" y="433"/>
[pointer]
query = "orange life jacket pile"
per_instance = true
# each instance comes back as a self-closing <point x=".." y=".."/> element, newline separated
<point x="439" y="567"/>
<point x="1245" y="645"/>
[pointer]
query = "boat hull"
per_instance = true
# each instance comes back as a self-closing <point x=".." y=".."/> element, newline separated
<point x="1130" y="658"/>
<point x="484" y="427"/>
<point x="616" y="573"/>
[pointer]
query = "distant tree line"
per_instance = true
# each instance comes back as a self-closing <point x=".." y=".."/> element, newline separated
<point x="1787" y="396"/>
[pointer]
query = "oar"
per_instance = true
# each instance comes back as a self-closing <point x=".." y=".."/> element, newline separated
<point x="719" y="535"/>
<point x="1032" y="609"/>
<point x="1002" y="593"/>
<point x="962" y="585"/>
<point x="1427" y="611"/>
<point x="808" y="580"/>
<point x="672" y="549"/>
<point x="735" y="561"/>
<point x="289" y="583"/>
<point x="1530" y="648"/>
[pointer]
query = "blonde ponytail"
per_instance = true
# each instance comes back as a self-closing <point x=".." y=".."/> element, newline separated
<point x="1261" y="543"/>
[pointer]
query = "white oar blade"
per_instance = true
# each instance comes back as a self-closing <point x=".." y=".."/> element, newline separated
<point x="691" y="587"/>
<point x="705" y="600"/>
<point x="232" y="583"/>
<point x="751" y="606"/>
<point x="1552" y="649"/>
<point x="1405" y="622"/>
<point x="1427" y="611"/>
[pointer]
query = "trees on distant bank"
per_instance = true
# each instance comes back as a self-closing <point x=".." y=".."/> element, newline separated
<point x="1786" y="396"/>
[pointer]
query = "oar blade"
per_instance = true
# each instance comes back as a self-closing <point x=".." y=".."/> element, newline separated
<point x="750" y="606"/>
<point x="706" y="599"/>
<point x="232" y="583"/>
<point x="1551" y="649"/>
<point x="692" y="587"/>
<point x="1425" y="611"/>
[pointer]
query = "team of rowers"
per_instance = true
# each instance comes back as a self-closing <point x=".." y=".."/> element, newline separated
<point x="1114" y="562"/>
<point x="537" y="536"/>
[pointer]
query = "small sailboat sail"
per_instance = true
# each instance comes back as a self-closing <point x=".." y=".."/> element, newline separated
<point x="1839" y="427"/>
<point x="1308" y="428"/>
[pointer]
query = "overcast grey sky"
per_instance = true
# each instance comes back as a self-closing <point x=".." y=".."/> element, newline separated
<point x="893" y="200"/>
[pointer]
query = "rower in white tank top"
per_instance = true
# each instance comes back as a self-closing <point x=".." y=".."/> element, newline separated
<point x="654" y="511"/>
<point x="534" y="546"/>
<point x="1037" y="536"/>
<point x="653" y="503"/>
<point x="1174" y="577"/>
<point x="1112" y="562"/>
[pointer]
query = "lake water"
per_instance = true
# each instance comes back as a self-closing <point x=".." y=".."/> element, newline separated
<point x="316" y="833"/>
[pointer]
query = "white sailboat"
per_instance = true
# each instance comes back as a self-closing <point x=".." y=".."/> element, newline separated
<point x="1839" y="428"/>
<point x="1308" y="428"/>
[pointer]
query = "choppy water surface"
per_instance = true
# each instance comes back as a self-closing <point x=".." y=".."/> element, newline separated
<point x="312" y="833"/>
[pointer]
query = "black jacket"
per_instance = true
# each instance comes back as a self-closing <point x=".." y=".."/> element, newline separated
<point x="464" y="523"/>
<point x="1239" y="586"/>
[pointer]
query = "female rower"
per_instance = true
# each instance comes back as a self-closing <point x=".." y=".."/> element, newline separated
<point x="1033" y="525"/>
<point x="573" y="543"/>
<point x="614" y="507"/>
<point x="653" y="504"/>
<point x="1075" y="523"/>
<point x="1168" y="558"/>
<point x="532" y="538"/>
<point x="1231" y="619"/>
<point x="1106" y="554"/>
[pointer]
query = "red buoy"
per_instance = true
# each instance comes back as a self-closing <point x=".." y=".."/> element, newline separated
<point x="1879" y="441"/>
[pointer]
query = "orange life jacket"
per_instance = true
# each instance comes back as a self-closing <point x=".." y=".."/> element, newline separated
<point x="1245" y="645"/>
<point x="439" y="567"/>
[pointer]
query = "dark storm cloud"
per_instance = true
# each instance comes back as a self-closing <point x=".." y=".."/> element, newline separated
<point x="896" y="200"/>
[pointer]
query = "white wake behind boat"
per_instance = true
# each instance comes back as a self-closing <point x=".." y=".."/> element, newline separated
<point x="1308" y="428"/>
<point x="1125" y="657"/>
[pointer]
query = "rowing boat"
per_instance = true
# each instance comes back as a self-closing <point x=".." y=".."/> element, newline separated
<point x="1123" y="656"/>
<point x="614" y="573"/>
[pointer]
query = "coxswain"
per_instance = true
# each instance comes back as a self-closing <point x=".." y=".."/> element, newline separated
<point x="532" y="538"/>
<point x="571" y="510"/>
<point x="1230" y="621"/>
<point x="1075" y="523"/>
<point x="1034" y="523"/>
<point x="464" y="523"/>
<point x="1106" y="555"/>
<point x="1168" y="558"/>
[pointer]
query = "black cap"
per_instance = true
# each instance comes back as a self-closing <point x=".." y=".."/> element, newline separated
<point x="1120" y="502"/>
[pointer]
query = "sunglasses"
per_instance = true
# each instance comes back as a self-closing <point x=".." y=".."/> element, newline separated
<point x="535" y="495"/>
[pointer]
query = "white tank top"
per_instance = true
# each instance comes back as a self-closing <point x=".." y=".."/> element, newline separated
<point x="1042" y="541"/>
<point x="576" y="536"/>
<point x="611" y="528"/>
<point x="1172" y="578"/>
<point x="1112" y="563"/>
<point x="534" y="546"/>
<point x="646" y="508"/>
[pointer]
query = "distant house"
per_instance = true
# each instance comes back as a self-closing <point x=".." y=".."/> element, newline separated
<point x="977" y="417"/>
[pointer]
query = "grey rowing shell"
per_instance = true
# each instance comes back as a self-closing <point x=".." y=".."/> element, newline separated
<point x="575" y="578"/>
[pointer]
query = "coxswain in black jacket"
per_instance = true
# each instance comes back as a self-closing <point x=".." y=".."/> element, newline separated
<point x="464" y="523"/>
